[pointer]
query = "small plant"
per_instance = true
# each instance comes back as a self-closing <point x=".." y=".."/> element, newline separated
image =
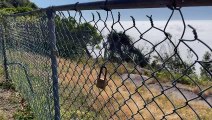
<point x="2" y="116"/>
<point x="24" y="114"/>
<point x="1" y="71"/>
<point x="77" y="114"/>
<point x="165" y="76"/>
<point x="7" y="85"/>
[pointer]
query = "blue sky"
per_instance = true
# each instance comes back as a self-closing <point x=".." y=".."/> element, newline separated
<point x="199" y="17"/>
<point x="190" y="13"/>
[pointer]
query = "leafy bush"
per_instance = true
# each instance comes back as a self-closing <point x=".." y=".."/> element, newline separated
<point x="165" y="76"/>
<point x="7" y="85"/>
<point x="6" y="11"/>
<point x="121" y="48"/>
<point x="74" y="38"/>
<point x="25" y="114"/>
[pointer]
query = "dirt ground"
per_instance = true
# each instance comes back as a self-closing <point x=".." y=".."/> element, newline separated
<point x="9" y="102"/>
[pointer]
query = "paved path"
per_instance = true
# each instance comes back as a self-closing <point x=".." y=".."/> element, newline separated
<point x="171" y="91"/>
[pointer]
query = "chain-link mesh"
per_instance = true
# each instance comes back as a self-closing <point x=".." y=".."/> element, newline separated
<point x="141" y="84"/>
<point x="28" y="60"/>
<point x="109" y="68"/>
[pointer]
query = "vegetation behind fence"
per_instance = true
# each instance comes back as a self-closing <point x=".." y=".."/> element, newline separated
<point x="71" y="63"/>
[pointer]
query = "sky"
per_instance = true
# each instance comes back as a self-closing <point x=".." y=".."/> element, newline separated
<point x="199" y="17"/>
<point x="190" y="13"/>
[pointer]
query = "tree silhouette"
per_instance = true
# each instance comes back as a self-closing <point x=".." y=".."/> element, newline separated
<point x="74" y="38"/>
<point x="16" y="6"/>
<point x="17" y="3"/>
<point x="206" y="66"/>
<point x="172" y="56"/>
<point x="121" y="48"/>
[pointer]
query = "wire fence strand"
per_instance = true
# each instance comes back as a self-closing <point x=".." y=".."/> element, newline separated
<point x="106" y="67"/>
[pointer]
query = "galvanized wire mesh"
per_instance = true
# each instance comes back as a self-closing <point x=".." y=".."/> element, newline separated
<point x="135" y="88"/>
<point x="28" y="61"/>
<point x="107" y="72"/>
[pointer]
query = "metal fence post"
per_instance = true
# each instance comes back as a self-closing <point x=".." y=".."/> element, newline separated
<point x="54" y="65"/>
<point x="4" y="36"/>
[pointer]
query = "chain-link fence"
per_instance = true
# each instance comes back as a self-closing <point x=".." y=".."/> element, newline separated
<point x="70" y="62"/>
<point x="28" y="61"/>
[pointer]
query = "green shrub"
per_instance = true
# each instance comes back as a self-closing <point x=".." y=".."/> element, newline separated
<point x="7" y="85"/>
<point x="25" y="114"/>
<point x="165" y="76"/>
<point x="1" y="71"/>
<point x="6" y="11"/>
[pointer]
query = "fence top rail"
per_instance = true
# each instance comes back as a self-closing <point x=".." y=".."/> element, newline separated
<point x="122" y="4"/>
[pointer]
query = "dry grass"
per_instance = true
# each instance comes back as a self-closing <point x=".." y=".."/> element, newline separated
<point x="205" y="94"/>
<point x="122" y="100"/>
<point x="2" y="115"/>
<point x="9" y="101"/>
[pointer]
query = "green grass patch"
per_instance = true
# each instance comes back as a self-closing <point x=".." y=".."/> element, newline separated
<point x="24" y="114"/>
<point x="7" y="85"/>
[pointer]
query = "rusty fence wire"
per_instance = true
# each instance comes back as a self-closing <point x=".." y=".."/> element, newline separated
<point x="82" y="64"/>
